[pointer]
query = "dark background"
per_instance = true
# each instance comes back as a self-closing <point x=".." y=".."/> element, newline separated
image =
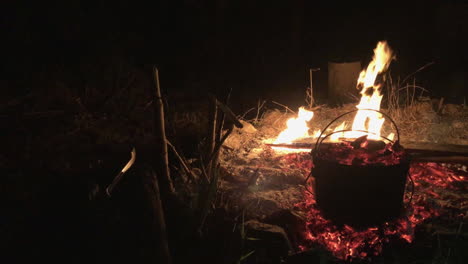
<point x="259" y="49"/>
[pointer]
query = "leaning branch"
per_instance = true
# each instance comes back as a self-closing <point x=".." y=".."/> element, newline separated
<point x="161" y="157"/>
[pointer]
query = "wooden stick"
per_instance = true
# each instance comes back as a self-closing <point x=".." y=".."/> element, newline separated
<point x="182" y="161"/>
<point x="158" y="226"/>
<point x="219" y="132"/>
<point x="285" y="107"/>
<point x="441" y="159"/>
<point x="292" y="145"/>
<point x="221" y="122"/>
<point x="436" y="149"/>
<point x="419" y="152"/>
<point x="440" y="106"/>
<point x="219" y="144"/>
<point x="312" y="101"/>
<point x="212" y="133"/>
<point x="119" y="176"/>
<point x="415" y="148"/>
<point x="228" y="112"/>
<point x="161" y="157"/>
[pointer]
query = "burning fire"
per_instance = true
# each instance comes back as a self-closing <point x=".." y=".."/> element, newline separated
<point x="371" y="97"/>
<point x="365" y="119"/>
<point x="296" y="127"/>
<point x="424" y="201"/>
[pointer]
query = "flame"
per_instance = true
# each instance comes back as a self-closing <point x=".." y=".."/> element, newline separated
<point x="365" y="119"/>
<point x="317" y="133"/>
<point x="371" y="97"/>
<point x="296" y="127"/>
<point x="336" y="136"/>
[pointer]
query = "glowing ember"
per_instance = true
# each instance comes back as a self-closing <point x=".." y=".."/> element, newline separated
<point x="370" y="95"/>
<point x="347" y="243"/>
<point x="364" y="152"/>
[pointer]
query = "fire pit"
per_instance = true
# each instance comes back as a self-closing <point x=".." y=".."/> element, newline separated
<point x="360" y="183"/>
<point x="358" y="204"/>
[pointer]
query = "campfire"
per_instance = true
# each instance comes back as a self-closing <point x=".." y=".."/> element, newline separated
<point x="187" y="132"/>
<point x="367" y="121"/>
<point x="361" y="191"/>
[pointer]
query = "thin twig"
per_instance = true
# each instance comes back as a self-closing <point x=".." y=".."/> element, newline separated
<point x="246" y="112"/>
<point x="287" y="108"/>
<point x="228" y="112"/>
<point x="182" y="161"/>
<point x="418" y="70"/>
<point x="259" y="106"/>
<point x="221" y="122"/>
<point x="212" y="132"/>
<point x="203" y="169"/>
<point x="219" y="144"/>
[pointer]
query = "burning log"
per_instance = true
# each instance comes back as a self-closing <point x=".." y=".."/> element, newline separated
<point x="418" y="152"/>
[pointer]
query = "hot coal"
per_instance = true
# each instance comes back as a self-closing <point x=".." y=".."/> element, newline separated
<point x="362" y="152"/>
<point x="434" y="195"/>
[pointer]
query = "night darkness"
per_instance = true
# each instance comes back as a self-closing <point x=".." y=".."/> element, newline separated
<point x="256" y="48"/>
<point x="73" y="59"/>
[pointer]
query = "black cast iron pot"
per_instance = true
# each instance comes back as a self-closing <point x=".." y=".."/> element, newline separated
<point x="358" y="195"/>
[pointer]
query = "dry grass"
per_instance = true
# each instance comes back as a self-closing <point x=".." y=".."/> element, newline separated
<point x="417" y="116"/>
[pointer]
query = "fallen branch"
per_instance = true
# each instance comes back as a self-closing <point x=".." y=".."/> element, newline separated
<point x="119" y="176"/>
<point x="285" y="107"/>
<point x="212" y="132"/>
<point x="181" y="160"/>
<point x="419" y="152"/>
<point x="161" y="157"/>
<point x="411" y="147"/>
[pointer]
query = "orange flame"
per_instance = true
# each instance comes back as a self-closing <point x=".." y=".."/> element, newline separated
<point x="365" y="120"/>
<point x="336" y="136"/>
<point x="371" y="97"/>
<point x="296" y="127"/>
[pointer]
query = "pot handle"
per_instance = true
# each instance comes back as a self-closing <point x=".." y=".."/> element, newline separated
<point x="320" y="139"/>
